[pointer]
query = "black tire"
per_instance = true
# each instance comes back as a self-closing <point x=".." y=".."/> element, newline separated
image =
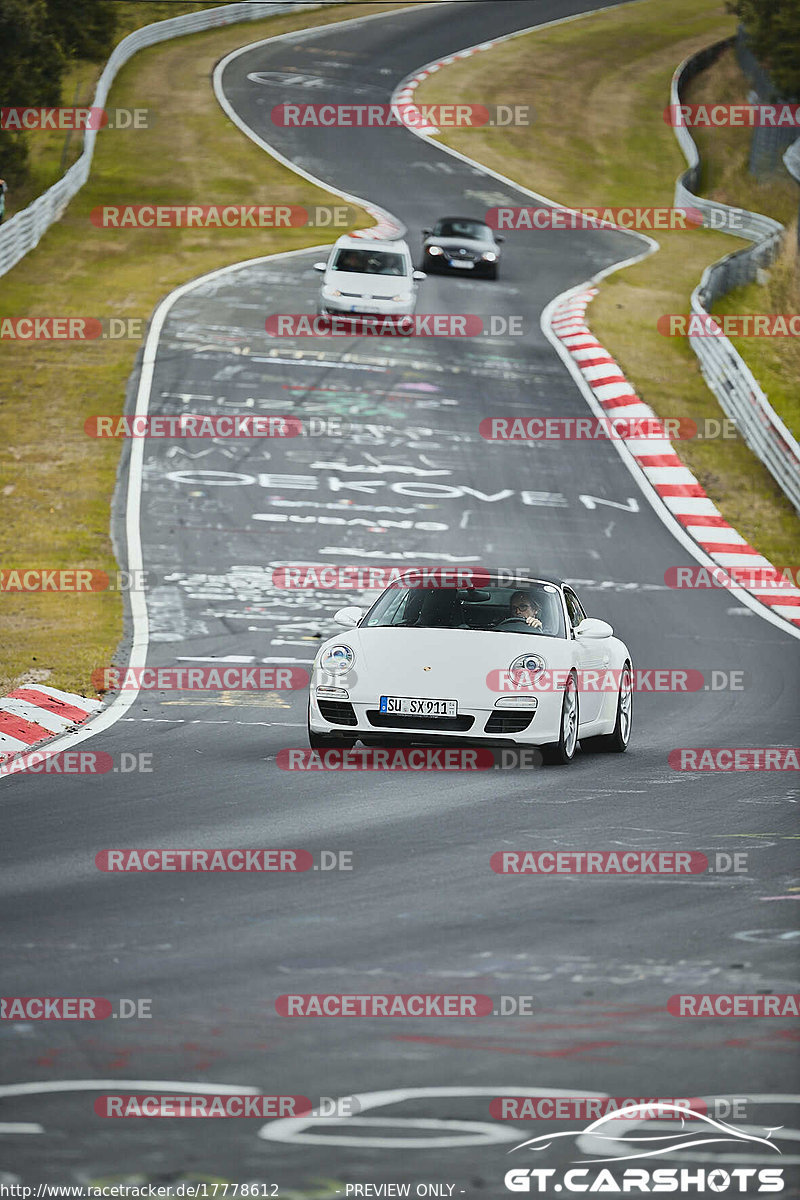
<point x="491" y="272"/>
<point x="618" y="741"/>
<point x="562" y="752"/>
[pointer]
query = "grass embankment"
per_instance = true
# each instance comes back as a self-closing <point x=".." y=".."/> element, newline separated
<point x="724" y="154"/>
<point x="51" y="153"/>
<point x="598" y="87"/>
<point x="56" y="484"/>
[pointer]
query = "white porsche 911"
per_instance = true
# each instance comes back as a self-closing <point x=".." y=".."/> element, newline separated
<point x="491" y="663"/>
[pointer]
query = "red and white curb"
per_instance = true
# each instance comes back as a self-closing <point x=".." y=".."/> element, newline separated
<point x="34" y="713"/>
<point x="404" y="95"/>
<point x="677" y="487"/>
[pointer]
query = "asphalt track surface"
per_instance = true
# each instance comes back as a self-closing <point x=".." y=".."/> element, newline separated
<point x="421" y="911"/>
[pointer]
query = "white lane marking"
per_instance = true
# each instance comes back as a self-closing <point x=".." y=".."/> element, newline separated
<point x="139" y="618"/>
<point x="140" y="642"/>
<point x="293" y="1129"/>
<point x="52" y="1086"/>
<point x="15" y="1127"/>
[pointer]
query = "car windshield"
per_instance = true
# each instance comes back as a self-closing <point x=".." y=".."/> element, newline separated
<point x="370" y="262"/>
<point x="475" y="230"/>
<point x="532" y="608"/>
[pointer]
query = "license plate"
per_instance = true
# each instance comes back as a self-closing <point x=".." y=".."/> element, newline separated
<point x="364" y="308"/>
<point x="413" y="706"/>
<point x="457" y="262"/>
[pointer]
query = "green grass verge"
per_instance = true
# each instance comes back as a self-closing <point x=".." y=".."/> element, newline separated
<point x="50" y="154"/>
<point x="56" y="484"/>
<point x="597" y="87"/>
<point x="724" y="153"/>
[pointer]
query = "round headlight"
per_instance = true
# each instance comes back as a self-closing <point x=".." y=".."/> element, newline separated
<point x="337" y="659"/>
<point x="489" y="256"/>
<point x="434" y="250"/>
<point x="527" y="664"/>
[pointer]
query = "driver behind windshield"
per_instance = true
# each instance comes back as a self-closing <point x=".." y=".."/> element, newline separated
<point x="524" y="608"/>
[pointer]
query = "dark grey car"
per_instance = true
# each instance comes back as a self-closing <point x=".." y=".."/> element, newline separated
<point x="463" y="245"/>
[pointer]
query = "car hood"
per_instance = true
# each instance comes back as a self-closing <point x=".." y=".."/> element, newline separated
<point x="453" y="243"/>
<point x="383" y="287"/>
<point x="393" y="661"/>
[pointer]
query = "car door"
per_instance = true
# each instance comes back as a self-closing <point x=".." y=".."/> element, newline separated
<point x="592" y="655"/>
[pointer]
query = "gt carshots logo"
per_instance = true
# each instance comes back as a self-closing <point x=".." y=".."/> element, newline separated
<point x="639" y="1179"/>
<point x="697" y="1129"/>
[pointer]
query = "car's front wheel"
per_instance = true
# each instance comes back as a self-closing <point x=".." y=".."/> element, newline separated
<point x="616" y="742"/>
<point x="562" y="752"/>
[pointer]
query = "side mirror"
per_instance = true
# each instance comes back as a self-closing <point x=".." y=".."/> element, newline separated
<point x="320" y="266"/>
<point x="349" y="617"/>
<point x="426" y="233"/>
<point x="419" y="275"/>
<point x="499" y="239"/>
<point x="591" y="627"/>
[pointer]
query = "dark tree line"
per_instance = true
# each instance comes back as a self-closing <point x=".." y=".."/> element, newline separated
<point x="38" y="40"/>
<point x="773" y="34"/>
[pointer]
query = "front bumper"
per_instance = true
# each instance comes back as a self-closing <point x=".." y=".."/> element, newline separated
<point x="441" y="262"/>
<point x="350" y="306"/>
<point x="484" y="723"/>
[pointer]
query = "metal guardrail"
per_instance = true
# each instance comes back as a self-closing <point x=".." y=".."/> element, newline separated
<point x="24" y="230"/>
<point x="724" y="370"/>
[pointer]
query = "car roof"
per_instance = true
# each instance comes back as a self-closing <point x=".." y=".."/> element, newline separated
<point x="346" y="242"/>
<point x="477" y="220"/>
<point x="511" y="576"/>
